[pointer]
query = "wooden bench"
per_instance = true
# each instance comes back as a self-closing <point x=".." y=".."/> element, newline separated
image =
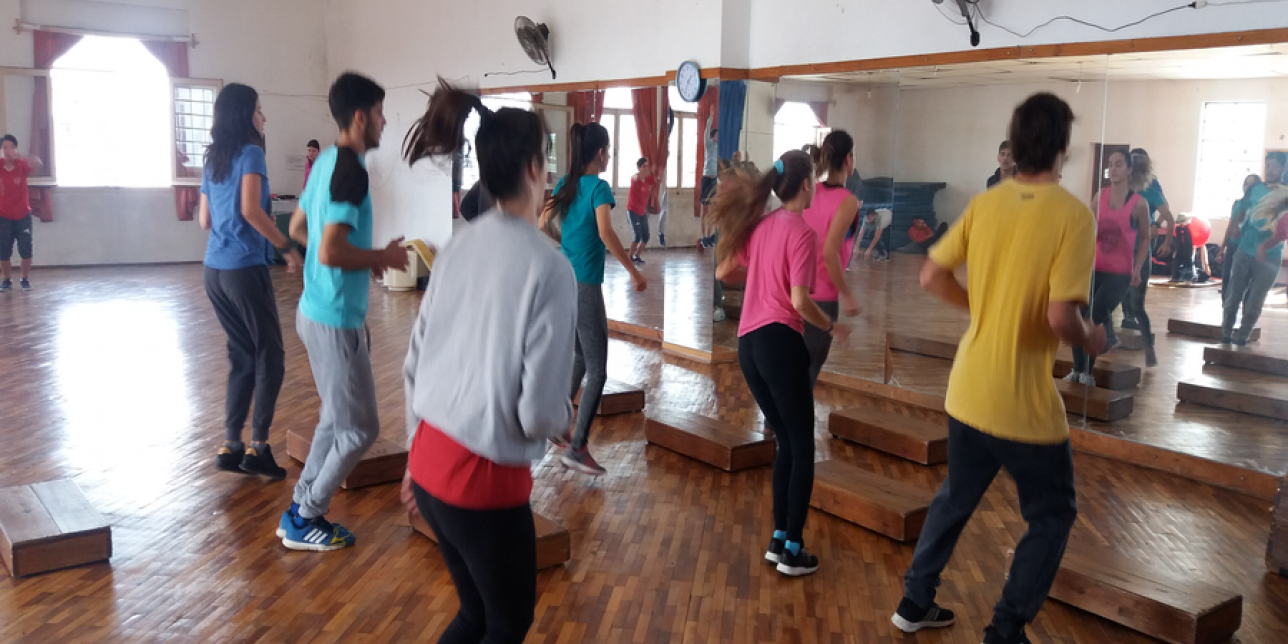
<point x="385" y="462"/>
<point x="1108" y="373"/>
<point x="1246" y="359"/>
<point x="711" y="441"/>
<point x="1241" y="391"/>
<point x="50" y="526"/>
<point x="1097" y="403"/>
<point x="1203" y="330"/>
<point x="917" y="440"/>
<point x="554" y="544"/>
<point x="882" y="505"/>
<point x="618" y="398"/>
<point x="1145" y="599"/>
<point x="1277" y="547"/>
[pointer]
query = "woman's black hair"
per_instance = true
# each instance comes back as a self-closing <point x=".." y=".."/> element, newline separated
<point x="233" y="128"/>
<point x="509" y="141"/>
<point x="587" y="140"/>
<point x="830" y="157"/>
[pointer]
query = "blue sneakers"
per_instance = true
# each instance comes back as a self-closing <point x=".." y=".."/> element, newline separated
<point x="317" y="534"/>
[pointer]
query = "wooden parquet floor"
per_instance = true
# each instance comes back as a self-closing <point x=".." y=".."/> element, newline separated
<point x="113" y="377"/>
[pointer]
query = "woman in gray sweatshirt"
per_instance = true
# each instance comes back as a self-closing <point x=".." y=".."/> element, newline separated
<point x="487" y="371"/>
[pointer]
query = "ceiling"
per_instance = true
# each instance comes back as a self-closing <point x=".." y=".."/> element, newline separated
<point x="1231" y="63"/>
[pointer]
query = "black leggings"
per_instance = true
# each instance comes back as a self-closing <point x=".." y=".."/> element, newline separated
<point x="492" y="556"/>
<point x="776" y="364"/>
<point x="1107" y="290"/>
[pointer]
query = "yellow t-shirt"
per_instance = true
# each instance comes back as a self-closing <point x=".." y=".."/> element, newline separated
<point x="1024" y="246"/>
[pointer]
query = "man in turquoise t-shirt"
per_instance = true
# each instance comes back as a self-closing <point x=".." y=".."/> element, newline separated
<point x="334" y="222"/>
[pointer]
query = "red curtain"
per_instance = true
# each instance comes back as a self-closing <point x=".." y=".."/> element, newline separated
<point x="587" y="107"/>
<point x="174" y="56"/>
<point x="708" y="108"/>
<point x="650" y="126"/>
<point x="49" y="47"/>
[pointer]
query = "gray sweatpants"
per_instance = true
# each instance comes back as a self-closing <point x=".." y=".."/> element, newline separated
<point x="349" y="420"/>
<point x="590" y="359"/>
<point x="1248" y="285"/>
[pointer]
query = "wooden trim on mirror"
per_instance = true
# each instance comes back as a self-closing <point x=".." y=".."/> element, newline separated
<point x="1105" y="47"/>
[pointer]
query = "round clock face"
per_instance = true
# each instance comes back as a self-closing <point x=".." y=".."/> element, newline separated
<point x="688" y="80"/>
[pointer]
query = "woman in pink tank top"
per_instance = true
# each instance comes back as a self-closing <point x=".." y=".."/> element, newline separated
<point x="779" y="254"/>
<point x="830" y="215"/>
<point x="1121" y="251"/>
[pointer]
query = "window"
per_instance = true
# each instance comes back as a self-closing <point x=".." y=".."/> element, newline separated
<point x="1231" y="147"/>
<point x="194" y="114"/>
<point x="470" y="169"/>
<point x="111" y="115"/>
<point x="795" y="126"/>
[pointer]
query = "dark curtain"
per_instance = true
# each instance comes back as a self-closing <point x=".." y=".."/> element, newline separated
<point x="733" y="100"/>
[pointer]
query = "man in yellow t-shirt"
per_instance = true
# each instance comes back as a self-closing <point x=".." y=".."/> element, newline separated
<point x="1030" y="248"/>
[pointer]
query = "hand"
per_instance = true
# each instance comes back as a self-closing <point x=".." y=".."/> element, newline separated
<point x="408" y="499"/>
<point x="1220" y="256"/>
<point x="1261" y="254"/>
<point x="393" y="256"/>
<point x="293" y="260"/>
<point x="849" y="305"/>
<point x="639" y="281"/>
<point x="1095" y="339"/>
<point x="867" y="254"/>
<point x="1166" y="249"/>
<point x="841" y="333"/>
<point x="1135" y="280"/>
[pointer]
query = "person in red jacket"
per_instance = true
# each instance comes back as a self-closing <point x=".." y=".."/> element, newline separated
<point x="15" y="211"/>
<point x="637" y="206"/>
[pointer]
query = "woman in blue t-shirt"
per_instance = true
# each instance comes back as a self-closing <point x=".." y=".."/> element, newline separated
<point x="582" y="207"/>
<point x="234" y="208"/>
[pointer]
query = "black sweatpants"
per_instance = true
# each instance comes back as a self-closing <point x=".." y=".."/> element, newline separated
<point x="819" y="341"/>
<point x="776" y="364"/>
<point x="1107" y="290"/>
<point x="492" y="557"/>
<point x="247" y="308"/>
<point x="1043" y="477"/>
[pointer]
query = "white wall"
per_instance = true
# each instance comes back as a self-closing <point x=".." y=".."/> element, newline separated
<point x="787" y="32"/>
<point x="276" y="47"/>
<point x="871" y="118"/>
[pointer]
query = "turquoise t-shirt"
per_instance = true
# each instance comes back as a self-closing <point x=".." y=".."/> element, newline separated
<point x="1251" y="235"/>
<point x="580" y="231"/>
<point x="337" y="194"/>
<point x="1153" y="196"/>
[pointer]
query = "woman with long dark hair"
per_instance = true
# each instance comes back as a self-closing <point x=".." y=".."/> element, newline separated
<point x="832" y="212"/>
<point x="582" y="210"/>
<point x="234" y="208"/>
<point x="1122" y="221"/>
<point x="468" y="472"/>
<point x="777" y="255"/>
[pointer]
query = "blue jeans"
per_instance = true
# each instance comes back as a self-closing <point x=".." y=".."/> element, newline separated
<point x="1044" y="479"/>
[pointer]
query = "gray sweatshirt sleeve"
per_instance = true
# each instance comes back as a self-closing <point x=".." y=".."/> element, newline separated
<point x="545" y="410"/>
<point x="409" y="369"/>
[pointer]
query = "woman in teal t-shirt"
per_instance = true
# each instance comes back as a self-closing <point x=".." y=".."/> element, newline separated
<point x="583" y="207"/>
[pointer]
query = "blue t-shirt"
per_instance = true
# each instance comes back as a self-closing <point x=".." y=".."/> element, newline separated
<point x="233" y="243"/>
<point x="580" y="231"/>
<point x="1252" y="237"/>
<point x="1153" y="195"/>
<point x="337" y="194"/>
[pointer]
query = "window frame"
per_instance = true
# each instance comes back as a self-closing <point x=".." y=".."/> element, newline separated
<point x="1200" y="199"/>
<point x="176" y="83"/>
<point x="682" y="120"/>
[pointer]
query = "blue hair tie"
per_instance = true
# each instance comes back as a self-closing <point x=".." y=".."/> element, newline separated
<point x="778" y="166"/>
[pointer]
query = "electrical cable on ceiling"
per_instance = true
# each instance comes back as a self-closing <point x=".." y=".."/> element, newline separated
<point x="521" y="71"/>
<point x="980" y="13"/>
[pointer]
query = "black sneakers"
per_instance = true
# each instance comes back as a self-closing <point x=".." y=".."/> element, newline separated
<point x="911" y="618"/>
<point x="230" y="460"/>
<point x="991" y="636"/>
<point x="261" y="462"/>
<point x="797" y="564"/>
<point x="775" y="552"/>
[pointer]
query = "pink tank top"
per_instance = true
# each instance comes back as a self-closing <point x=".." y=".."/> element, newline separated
<point x="1115" y="236"/>
<point x="819" y="216"/>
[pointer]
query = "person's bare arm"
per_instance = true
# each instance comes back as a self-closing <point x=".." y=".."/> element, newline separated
<point x="841" y="222"/>
<point x="1141" y="214"/>
<point x="1168" y="223"/>
<point x="34" y="162"/>
<point x="731" y="271"/>
<point x="604" y="221"/>
<point x="299" y="227"/>
<point x="1068" y="324"/>
<point x="336" y="251"/>
<point x="805" y="305"/>
<point x="254" y="213"/>
<point x="876" y="236"/>
<point x="203" y="213"/>
<point x="942" y="283"/>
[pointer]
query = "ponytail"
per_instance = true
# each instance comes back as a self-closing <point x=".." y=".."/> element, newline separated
<point x="830" y="157"/>
<point x="741" y="201"/>
<point x="587" y="140"/>
<point x="508" y="141"/>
